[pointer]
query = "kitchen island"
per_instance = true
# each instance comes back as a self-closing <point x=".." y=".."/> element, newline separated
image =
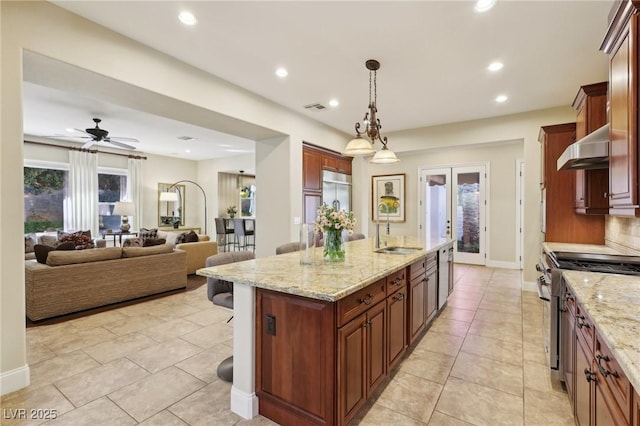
<point x="305" y="336"/>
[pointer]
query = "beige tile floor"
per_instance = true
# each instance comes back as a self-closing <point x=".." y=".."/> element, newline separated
<point x="481" y="362"/>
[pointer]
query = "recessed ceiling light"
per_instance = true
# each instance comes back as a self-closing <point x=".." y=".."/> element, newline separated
<point x="484" y="5"/>
<point x="187" y="18"/>
<point x="187" y="150"/>
<point x="70" y="130"/>
<point x="282" y="72"/>
<point x="334" y="103"/>
<point x="501" y="98"/>
<point x="495" y="66"/>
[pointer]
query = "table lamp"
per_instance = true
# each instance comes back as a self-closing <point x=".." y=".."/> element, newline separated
<point x="124" y="209"/>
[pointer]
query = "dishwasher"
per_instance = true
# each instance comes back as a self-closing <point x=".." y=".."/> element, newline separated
<point x="445" y="255"/>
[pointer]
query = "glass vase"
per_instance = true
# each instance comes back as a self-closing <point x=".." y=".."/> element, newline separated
<point x="333" y="251"/>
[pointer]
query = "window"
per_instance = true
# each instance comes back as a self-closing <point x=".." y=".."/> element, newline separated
<point x="44" y="192"/>
<point x="111" y="188"/>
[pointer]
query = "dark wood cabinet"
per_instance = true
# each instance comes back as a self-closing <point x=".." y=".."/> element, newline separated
<point x="598" y="389"/>
<point x="592" y="186"/>
<point x="562" y="223"/>
<point x="422" y="296"/>
<point x="432" y="294"/>
<point x="621" y="44"/>
<point x="568" y="343"/>
<point x="314" y="160"/>
<point x="396" y="326"/>
<point x="635" y="408"/>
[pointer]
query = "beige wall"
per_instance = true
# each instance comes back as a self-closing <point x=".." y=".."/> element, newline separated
<point x="517" y="127"/>
<point x="45" y="29"/>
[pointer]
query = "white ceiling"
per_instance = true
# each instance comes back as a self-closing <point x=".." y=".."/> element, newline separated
<point x="433" y="57"/>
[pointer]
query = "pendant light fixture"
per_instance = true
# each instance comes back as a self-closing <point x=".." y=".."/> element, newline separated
<point x="359" y="146"/>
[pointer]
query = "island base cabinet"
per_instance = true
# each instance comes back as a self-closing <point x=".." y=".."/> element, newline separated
<point x="636" y="409"/>
<point x="397" y="319"/>
<point x="361" y="360"/>
<point x="295" y="358"/>
<point x="582" y="391"/>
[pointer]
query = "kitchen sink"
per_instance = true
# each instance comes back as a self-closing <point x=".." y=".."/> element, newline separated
<point x="398" y="250"/>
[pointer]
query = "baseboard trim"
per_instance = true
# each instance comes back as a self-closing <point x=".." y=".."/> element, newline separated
<point x="530" y="286"/>
<point x="503" y="265"/>
<point x="243" y="404"/>
<point x="15" y="379"/>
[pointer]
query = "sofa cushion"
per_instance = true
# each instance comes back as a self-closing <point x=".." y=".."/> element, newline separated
<point x="181" y="238"/>
<point x="203" y="237"/>
<point x="59" y="258"/>
<point x="29" y="243"/>
<point x="149" y="242"/>
<point x="42" y="251"/>
<point x="146" y="251"/>
<point x="48" y="240"/>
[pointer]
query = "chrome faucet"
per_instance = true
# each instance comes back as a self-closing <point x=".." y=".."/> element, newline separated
<point x="378" y="225"/>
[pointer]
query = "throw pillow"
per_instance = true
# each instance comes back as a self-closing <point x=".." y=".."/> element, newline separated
<point x="191" y="237"/>
<point x="150" y="242"/>
<point x="81" y="239"/>
<point x="42" y="251"/>
<point x="29" y="243"/>
<point x="145" y="234"/>
<point x="182" y="238"/>
<point x="132" y="242"/>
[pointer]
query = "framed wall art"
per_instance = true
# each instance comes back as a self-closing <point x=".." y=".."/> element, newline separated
<point x="388" y="198"/>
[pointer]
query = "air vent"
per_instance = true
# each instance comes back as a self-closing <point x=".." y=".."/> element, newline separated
<point x="186" y="138"/>
<point x="315" y="107"/>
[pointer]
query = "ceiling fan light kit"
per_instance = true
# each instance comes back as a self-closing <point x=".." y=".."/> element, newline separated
<point x="360" y="146"/>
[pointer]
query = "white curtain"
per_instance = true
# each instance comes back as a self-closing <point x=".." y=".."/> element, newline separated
<point x="134" y="190"/>
<point x="81" y="203"/>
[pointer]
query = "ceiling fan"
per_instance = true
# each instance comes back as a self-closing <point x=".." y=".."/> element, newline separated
<point x="96" y="134"/>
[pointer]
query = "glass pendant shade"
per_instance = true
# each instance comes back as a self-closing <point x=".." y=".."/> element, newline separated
<point x="358" y="147"/>
<point x="384" y="156"/>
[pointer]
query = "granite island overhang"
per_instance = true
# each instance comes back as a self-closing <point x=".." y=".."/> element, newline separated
<point x="322" y="281"/>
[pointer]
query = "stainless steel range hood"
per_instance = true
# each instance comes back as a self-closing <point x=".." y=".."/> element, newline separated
<point x="590" y="152"/>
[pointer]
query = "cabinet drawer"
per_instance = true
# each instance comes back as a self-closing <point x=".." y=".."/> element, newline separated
<point x="358" y="302"/>
<point x="569" y="301"/>
<point x="396" y="281"/>
<point x="612" y="378"/>
<point x="417" y="269"/>
<point x="585" y="328"/>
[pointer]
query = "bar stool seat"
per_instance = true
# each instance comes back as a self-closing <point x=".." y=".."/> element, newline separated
<point x="222" y="233"/>
<point x="243" y="236"/>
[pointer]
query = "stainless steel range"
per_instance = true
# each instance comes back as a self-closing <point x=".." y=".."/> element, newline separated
<point x="551" y="288"/>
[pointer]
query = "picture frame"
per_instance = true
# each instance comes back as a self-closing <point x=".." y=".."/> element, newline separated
<point x="390" y="190"/>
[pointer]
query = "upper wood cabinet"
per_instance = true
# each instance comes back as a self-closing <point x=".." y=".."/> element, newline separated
<point x="592" y="186"/>
<point x="621" y="44"/>
<point x="314" y="160"/>
<point x="562" y="222"/>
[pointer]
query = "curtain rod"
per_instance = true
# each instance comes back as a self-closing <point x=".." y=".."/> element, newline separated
<point x="92" y="151"/>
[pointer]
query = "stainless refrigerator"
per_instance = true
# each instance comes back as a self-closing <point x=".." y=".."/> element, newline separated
<point x="336" y="190"/>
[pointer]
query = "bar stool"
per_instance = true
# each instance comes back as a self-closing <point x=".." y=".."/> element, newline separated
<point x="222" y="233"/>
<point x="241" y="233"/>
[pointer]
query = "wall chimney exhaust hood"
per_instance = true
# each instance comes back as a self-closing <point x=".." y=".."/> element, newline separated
<point x="590" y="152"/>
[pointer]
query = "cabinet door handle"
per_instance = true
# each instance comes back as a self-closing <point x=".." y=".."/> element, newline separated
<point x="580" y="322"/>
<point x="398" y="297"/>
<point x="589" y="375"/>
<point x="397" y="281"/>
<point x="366" y="300"/>
<point x="602" y="368"/>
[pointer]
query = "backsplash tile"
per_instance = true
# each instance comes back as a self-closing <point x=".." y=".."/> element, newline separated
<point x="623" y="234"/>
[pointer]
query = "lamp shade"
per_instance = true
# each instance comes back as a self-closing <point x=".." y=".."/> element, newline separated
<point x="169" y="196"/>
<point x="384" y="156"/>
<point x="124" y="208"/>
<point x="358" y="147"/>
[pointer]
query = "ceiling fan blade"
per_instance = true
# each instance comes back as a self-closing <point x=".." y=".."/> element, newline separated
<point x="89" y="144"/>
<point x="122" y="139"/>
<point x="81" y="131"/>
<point x="120" y="144"/>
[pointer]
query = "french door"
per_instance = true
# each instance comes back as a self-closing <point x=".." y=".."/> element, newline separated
<point x="453" y="207"/>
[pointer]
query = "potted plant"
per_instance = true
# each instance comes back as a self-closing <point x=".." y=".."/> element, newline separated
<point x="231" y="211"/>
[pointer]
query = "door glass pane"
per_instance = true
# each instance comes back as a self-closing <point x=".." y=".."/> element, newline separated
<point x="468" y="212"/>
<point x="436" y="206"/>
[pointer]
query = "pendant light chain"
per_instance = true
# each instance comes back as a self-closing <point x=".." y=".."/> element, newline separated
<point x="375" y="88"/>
<point x="370" y="87"/>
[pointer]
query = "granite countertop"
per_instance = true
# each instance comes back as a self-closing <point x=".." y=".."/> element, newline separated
<point x="580" y="248"/>
<point x="613" y="303"/>
<point x="325" y="281"/>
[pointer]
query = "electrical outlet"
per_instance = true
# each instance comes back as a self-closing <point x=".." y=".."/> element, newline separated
<point x="271" y="324"/>
<point x="297" y="220"/>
